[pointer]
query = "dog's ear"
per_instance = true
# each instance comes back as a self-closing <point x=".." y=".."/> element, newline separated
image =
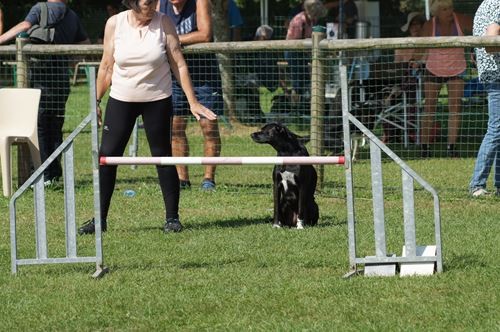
<point x="293" y="136"/>
<point x="279" y="126"/>
<point x="303" y="139"/>
<point x="271" y="125"/>
<point x="287" y="132"/>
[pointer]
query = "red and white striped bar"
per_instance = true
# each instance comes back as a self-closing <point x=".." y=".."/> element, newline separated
<point x="222" y="160"/>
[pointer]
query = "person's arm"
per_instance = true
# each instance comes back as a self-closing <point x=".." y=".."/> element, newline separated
<point x="421" y="54"/>
<point x="466" y="22"/>
<point x="295" y="28"/>
<point x="426" y="30"/>
<point x="400" y="55"/>
<point x="204" y="24"/>
<point x="1" y="21"/>
<point x="14" y="31"/>
<point x="493" y="30"/>
<point x="181" y="72"/>
<point x="107" y="61"/>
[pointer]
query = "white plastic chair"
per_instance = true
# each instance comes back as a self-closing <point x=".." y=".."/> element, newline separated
<point x="18" y="124"/>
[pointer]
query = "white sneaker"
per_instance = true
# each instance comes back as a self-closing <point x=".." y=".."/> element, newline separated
<point x="478" y="192"/>
<point x="48" y="183"/>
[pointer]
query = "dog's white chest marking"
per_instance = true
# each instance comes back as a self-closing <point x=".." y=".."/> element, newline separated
<point x="287" y="177"/>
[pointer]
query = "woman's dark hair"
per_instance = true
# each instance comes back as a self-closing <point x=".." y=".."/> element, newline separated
<point x="134" y="4"/>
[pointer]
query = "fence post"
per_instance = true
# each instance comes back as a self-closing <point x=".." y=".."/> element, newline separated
<point x="317" y="99"/>
<point x="23" y="152"/>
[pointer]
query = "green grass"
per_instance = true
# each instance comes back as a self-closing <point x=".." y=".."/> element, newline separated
<point x="229" y="270"/>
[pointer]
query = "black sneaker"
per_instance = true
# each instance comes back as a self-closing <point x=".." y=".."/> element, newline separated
<point x="172" y="225"/>
<point x="451" y="151"/>
<point x="425" y="151"/>
<point x="88" y="227"/>
<point x="184" y="184"/>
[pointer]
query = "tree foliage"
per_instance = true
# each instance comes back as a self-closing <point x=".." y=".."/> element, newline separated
<point x="407" y="6"/>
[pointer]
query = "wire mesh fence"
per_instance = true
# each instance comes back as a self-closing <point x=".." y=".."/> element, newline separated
<point x="403" y="102"/>
<point x="298" y="84"/>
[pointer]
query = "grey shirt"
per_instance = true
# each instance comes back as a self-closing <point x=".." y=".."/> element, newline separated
<point x="488" y="64"/>
<point x="69" y="29"/>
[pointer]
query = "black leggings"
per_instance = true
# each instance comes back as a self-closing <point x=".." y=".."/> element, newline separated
<point x="118" y="124"/>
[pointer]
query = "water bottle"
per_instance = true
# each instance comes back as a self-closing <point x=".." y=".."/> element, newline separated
<point x="129" y="193"/>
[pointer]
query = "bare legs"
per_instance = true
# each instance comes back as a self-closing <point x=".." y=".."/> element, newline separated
<point x="180" y="144"/>
<point x="455" y="94"/>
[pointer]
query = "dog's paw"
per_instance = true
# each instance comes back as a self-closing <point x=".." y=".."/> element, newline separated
<point x="300" y="224"/>
<point x="277" y="225"/>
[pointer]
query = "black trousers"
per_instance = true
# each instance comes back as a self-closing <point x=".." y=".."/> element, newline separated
<point x="52" y="77"/>
<point x="118" y="124"/>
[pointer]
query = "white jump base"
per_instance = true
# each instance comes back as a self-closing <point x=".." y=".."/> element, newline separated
<point x="222" y="160"/>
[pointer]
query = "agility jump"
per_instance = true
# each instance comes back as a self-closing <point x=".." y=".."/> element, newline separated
<point x="381" y="263"/>
<point x="222" y="160"/>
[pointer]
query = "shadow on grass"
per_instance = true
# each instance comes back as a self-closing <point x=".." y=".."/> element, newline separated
<point x="232" y="223"/>
<point x="463" y="262"/>
<point x="325" y="221"/>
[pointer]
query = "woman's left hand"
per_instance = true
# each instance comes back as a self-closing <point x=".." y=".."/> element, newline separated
<point x="199" y="111"/>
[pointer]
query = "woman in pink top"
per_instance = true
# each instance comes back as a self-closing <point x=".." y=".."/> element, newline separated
<point x="141" y="51"/>
<point x="300" y="27"/>
<point x="444" y="66"/>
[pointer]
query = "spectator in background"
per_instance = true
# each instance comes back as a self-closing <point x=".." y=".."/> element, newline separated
<point x="264" y="32"/>
<point x="193" y="22"/>
<point x="264" y="63"/>
<point x="50" y="74"/>
<point x="408" y="83"/>
<point x="487" y="23"/>
<point x="444" y="66"/>
<point x="235" y="21"/>
<point x="412" y="28"/>
<point x="350" y="17"/>
<point x="299" y="7"/>
<point x="300" y="27"/>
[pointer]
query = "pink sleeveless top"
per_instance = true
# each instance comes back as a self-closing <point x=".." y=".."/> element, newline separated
<point x="446" y="62"/>
<point x="141" y="72"/>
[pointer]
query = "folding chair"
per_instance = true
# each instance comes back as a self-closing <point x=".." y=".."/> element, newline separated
<point x="18" y="124"/>
<point x="402" y="106"/>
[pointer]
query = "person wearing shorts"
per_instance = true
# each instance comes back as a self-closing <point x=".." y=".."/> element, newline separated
<point x="193" y="23"/>
<point x="444" y="66"/>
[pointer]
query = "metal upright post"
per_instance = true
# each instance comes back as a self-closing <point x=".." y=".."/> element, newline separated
<point x="100" y="268"/>
<point x="351" y="226"/>
<point x="317" y="99"/>
<point x="23" y="155"/>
